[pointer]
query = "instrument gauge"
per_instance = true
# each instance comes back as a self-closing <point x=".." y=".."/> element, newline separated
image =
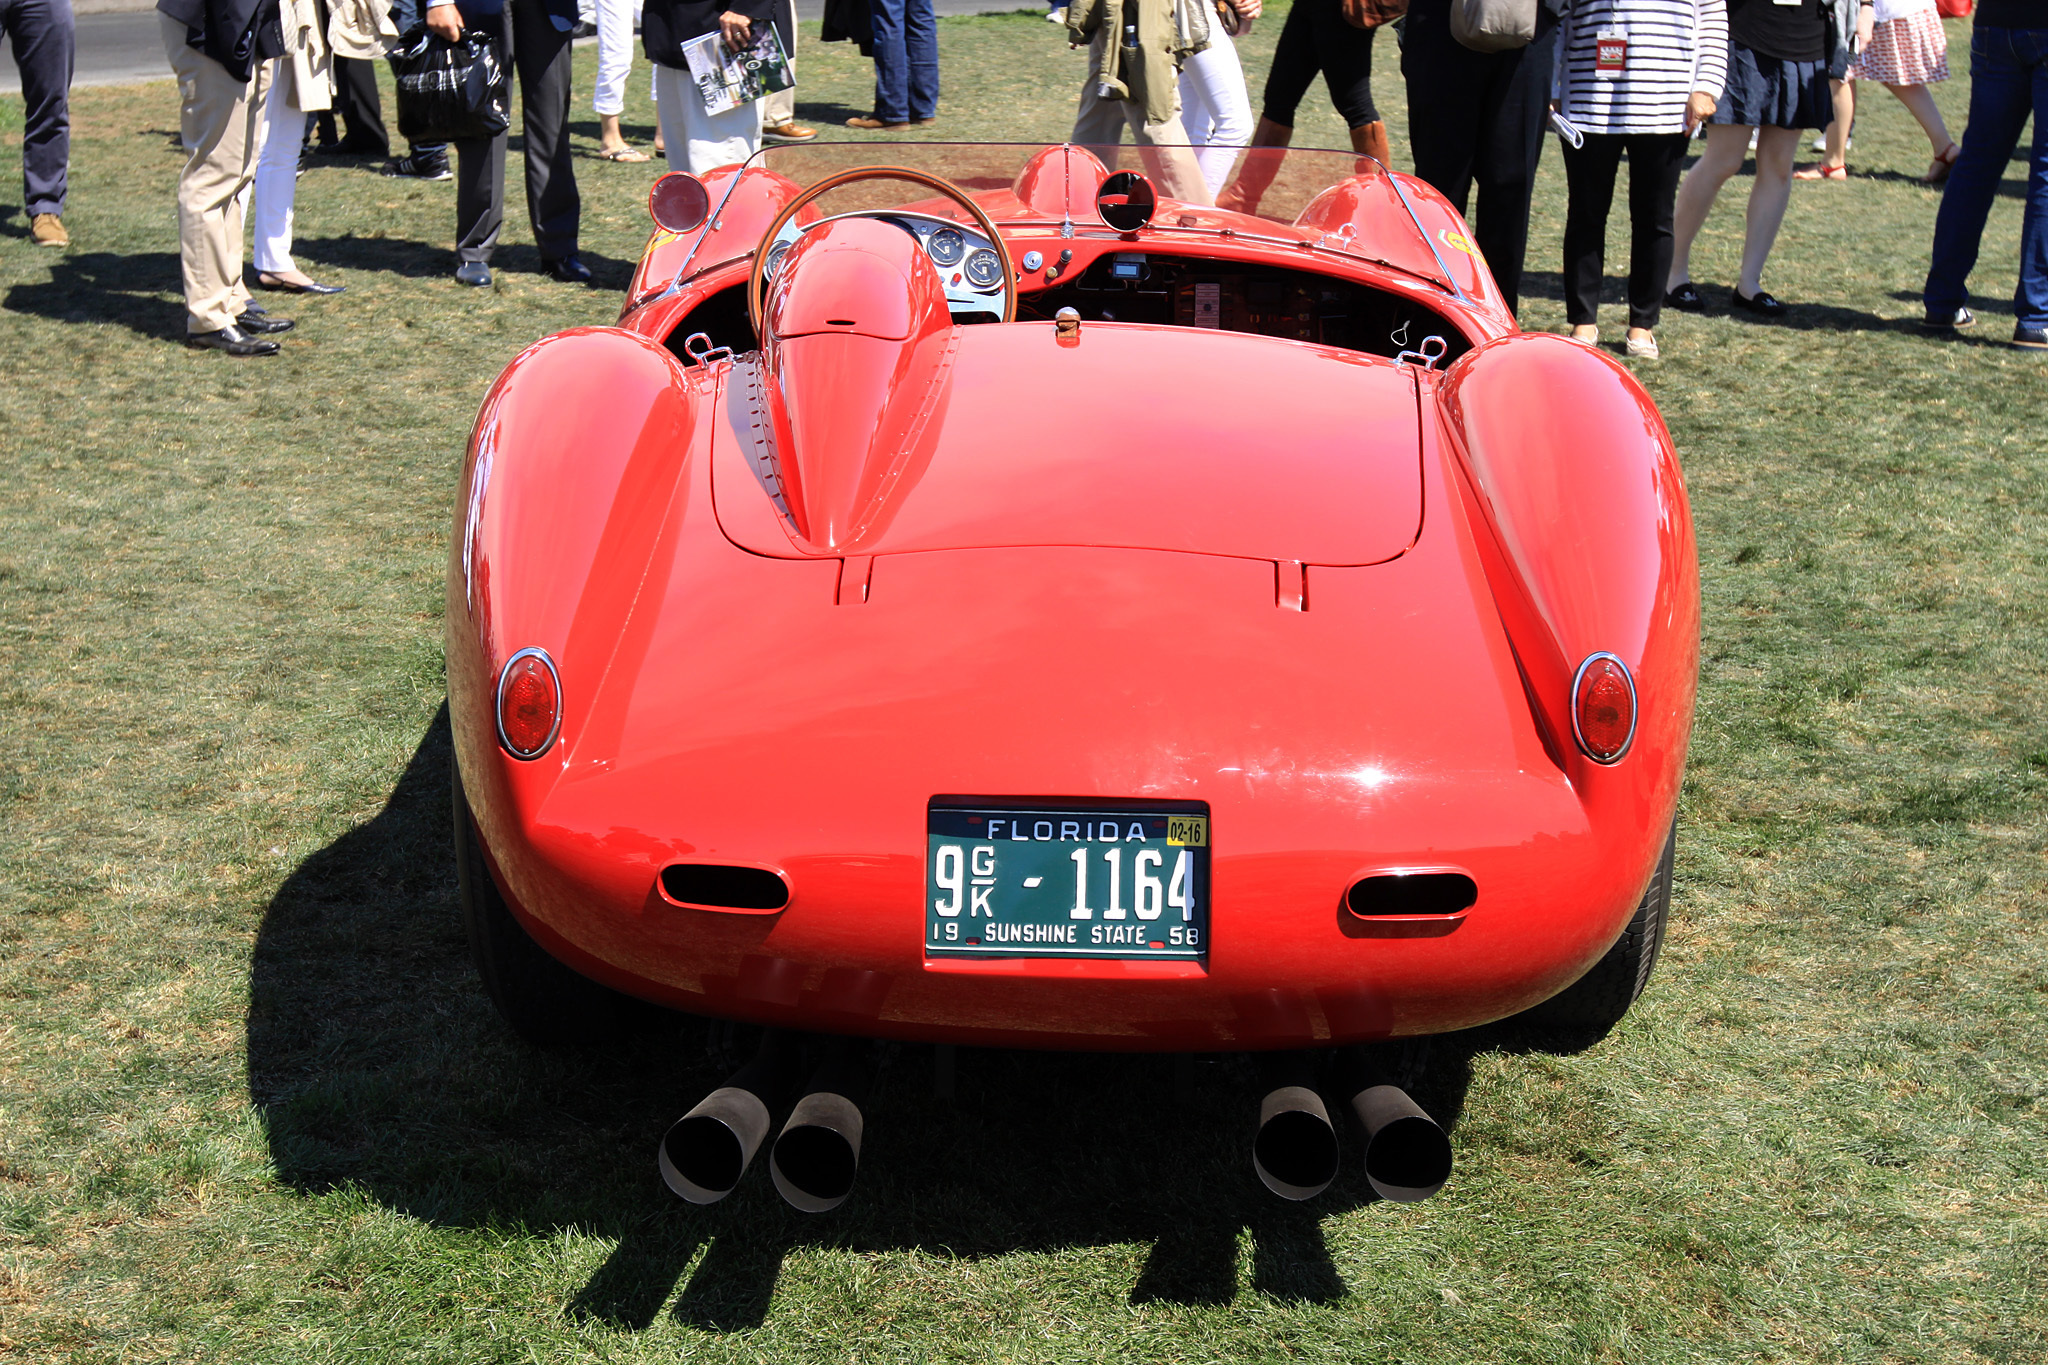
<point x="946" y="246"/>
<point x="984" y="269"/>
<point x="775" y="255"/>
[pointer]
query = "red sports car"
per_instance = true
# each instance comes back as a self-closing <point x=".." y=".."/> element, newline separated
<point x="982" y="601"/>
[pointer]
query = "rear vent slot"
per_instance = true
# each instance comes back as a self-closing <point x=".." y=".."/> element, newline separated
<point x="724" y="888"/>
<point x="1415" y="894"/>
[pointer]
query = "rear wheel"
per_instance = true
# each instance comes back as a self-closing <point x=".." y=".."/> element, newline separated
<point x="545" y="1002"/>
<point x="1600" y="998"/>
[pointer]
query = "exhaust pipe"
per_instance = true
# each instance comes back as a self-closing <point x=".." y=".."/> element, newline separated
<point x="1407" y="1156"/>
<point x="817" y="1154"/>
<point x="1295" y="1151"/>
<point x="706" y="1151"/>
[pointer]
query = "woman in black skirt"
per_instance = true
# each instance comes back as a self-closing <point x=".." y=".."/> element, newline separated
<point x="1777" y="85"/>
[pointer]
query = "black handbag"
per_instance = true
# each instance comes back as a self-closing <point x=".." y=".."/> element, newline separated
<point x="448" y="92"/>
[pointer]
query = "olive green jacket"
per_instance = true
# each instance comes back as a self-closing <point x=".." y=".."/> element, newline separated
<point x="1169" y="32"/>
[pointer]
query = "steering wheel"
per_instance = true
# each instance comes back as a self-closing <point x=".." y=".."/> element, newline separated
<point x="757" y="279"/>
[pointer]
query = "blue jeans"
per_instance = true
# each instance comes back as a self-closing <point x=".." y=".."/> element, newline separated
<point x="906" y="59"/>
<point x="2008" y="81"/>
<point x="41" y="32"/>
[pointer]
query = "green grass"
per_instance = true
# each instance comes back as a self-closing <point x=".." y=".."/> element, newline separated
<point x="253" y="1105"/>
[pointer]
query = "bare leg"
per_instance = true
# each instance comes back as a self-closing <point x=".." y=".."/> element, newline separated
<point x="1727" y="145"/>
<point x="1920" y="101"/>
<point x="1775" y="149"/>
<point x="1837" y="153"/>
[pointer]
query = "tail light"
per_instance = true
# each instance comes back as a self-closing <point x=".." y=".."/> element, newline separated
<point x="529" y="704"/>
<point x="1603" y="708"/>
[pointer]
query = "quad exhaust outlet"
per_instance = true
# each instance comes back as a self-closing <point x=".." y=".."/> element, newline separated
<point x="813" y="1160"/>
<point x="1295" y="1153"/>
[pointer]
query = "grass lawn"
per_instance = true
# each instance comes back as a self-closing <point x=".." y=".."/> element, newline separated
<point x="254" y="1106"/>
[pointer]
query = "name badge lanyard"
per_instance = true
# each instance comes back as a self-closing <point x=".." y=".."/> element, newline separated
<point x="1610" y="53"/>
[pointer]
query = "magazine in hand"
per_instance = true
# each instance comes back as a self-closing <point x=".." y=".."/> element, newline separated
<point x="727" y="78"/>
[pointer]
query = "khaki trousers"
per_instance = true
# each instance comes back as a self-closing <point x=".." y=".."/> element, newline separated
<point x="222" y="121"/>
<point x="1162" y="147"/>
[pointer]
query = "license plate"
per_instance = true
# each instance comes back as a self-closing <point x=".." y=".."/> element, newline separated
<point x="1063" y="881"/>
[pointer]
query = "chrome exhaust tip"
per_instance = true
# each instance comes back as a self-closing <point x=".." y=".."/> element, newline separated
<point x="1295" y="1150"/>
<point x="1407" y="1155"/>
<point x="706" y="1151"/>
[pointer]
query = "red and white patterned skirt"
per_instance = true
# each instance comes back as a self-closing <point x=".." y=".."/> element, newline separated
<point x="1909" y="50"/>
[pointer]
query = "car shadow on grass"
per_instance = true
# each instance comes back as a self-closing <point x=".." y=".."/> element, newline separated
<point x="377" y="1064"/>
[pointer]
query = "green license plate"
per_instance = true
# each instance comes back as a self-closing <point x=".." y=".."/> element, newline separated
<point x="1062" y="881"/>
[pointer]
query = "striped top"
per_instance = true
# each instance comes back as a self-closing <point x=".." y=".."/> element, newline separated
<point x="1674" y="48"/>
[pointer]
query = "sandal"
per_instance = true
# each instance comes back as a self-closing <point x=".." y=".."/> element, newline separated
<point x="628" y="154"/>
<point x="1821" y="173"/>
<point x="1942" y="165"/>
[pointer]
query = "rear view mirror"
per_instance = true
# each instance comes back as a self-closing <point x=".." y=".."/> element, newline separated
<point x="679" y="202"/>
<point x="1126" y="201"/>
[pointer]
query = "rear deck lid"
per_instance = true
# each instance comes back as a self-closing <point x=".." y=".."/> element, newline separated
<point x="1132" y="437"/>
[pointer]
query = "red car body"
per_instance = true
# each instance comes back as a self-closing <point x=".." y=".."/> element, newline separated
<point x="797" y="594"/>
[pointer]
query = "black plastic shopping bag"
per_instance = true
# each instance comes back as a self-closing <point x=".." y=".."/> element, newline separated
<point x="450" y="91"/>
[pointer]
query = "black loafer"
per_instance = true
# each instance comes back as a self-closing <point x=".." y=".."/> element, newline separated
<point x="262" y="324"/>
<point x="230" y="341"/>
<point x="475" y="274"/>
<point x="1686" y="299"/>
<point x="1761" y="304"/>
<point x="568" y="270"/>
<point x="2030" y="338"/>
<point x="280" y="287"/>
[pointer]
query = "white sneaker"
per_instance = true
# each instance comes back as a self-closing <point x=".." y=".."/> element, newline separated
<point x="1056" y="16"/>
<point x="1643" y="348"/>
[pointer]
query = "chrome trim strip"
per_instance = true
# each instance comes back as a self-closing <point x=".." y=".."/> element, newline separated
<point x="1449" y="281"/>
<point x="1635" y="709"/>
<point x="498" y="706"/>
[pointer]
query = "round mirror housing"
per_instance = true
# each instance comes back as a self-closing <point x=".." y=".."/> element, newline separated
<point x="1126" y="201"/>
<point x="679" y="202"/>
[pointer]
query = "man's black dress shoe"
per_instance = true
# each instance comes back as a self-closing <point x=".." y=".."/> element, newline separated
<point x="473" y="273"/>
<point x="568" y="270"/>
<point x="1759" y="303"/>
<point x="257" y="321"/>
<point x="280" y="287"/>
<point x="349" y="146"/>
<point x="230" y="341"/>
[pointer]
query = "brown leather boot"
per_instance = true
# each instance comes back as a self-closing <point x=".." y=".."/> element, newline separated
<point x="1371" y="140"/>
<point x="1256" y="176"/>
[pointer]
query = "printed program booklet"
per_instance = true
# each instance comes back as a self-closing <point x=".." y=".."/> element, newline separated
<point x="727" y="78"/>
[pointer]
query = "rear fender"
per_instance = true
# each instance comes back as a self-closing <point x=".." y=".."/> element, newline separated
<point x="573" y="466"/>
<point x="1586" y="536"/>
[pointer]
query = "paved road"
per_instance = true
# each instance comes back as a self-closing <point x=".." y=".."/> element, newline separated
<point x="121" y="49"/>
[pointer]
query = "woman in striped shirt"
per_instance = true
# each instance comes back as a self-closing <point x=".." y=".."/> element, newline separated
<point x="1634" y="76"/>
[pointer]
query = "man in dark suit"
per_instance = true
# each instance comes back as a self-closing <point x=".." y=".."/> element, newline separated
<point x="535" y="35"/>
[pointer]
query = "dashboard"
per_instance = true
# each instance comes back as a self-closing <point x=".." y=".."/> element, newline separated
<point x="1235" y="296"/>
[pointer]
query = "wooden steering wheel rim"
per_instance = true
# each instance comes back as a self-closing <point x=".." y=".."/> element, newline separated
<point x="757" y="278"/>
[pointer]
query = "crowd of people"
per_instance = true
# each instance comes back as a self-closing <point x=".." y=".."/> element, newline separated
<point x="264" y="82"/>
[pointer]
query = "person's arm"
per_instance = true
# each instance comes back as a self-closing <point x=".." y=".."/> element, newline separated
<point x="445" y="21"/>
<point x="1866" y="24"/>
<point x="1710" y="61"/>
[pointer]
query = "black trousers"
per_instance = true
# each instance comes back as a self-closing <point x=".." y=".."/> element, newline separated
<point x="1479" y="118"/>
<point x="540" y="55"/>
<point x="1654" y="161"/>
<point x="1316" y="38"/>
<point x="355" y="99"/>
